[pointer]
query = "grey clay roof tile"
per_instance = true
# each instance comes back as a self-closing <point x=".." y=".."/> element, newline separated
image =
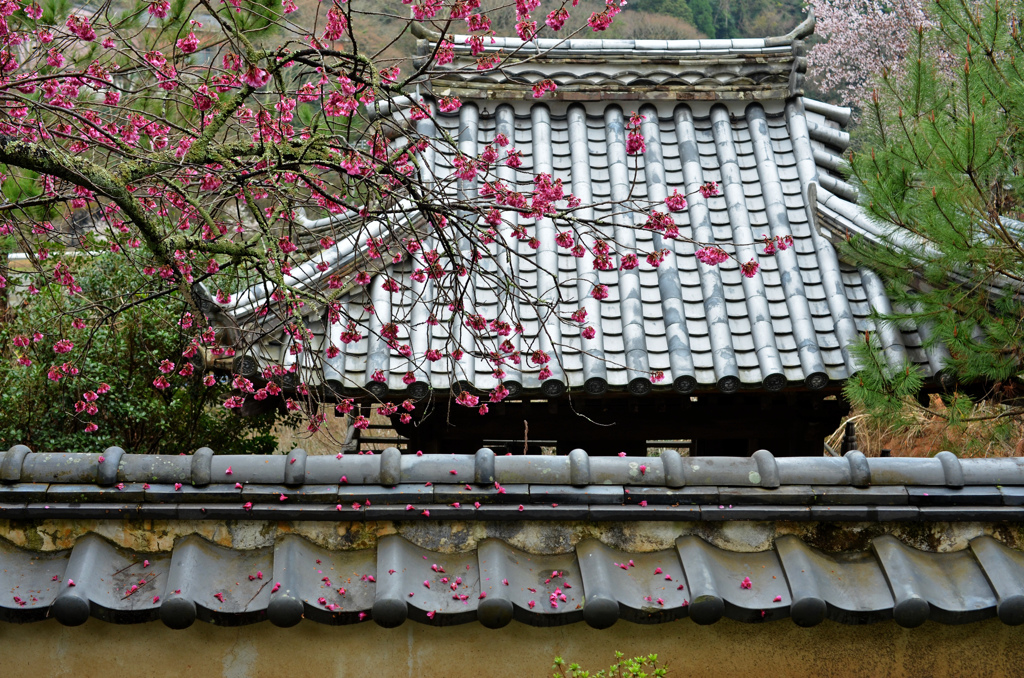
<point x="495" y="583"/>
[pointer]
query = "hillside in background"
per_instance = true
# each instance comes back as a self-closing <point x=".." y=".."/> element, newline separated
<point x="379" y="28"/>
<point x="727" y="18"/>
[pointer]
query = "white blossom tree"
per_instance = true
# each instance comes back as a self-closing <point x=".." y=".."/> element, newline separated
<point x="859" y="39"/>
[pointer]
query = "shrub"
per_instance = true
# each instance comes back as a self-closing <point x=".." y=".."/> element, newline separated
<point x="632" y="668"/>
<point x="48" y="408"/>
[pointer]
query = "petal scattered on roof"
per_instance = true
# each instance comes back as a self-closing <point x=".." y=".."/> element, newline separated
<point x="199" y="580"/>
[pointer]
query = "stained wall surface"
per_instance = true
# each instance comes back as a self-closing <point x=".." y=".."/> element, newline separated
<point x="727" y="648"/>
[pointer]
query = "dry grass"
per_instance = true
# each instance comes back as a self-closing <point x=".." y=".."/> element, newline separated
<point x="921" y="434"/>
<point x="327" y="440"/>
<point x="330" y="437"/>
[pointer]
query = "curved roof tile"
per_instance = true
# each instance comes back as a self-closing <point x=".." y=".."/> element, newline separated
<point x="681" y="325"/>
<point x="496" y="582"/>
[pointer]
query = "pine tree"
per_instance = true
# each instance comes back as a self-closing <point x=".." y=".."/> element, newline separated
<point x="939" y="164"/>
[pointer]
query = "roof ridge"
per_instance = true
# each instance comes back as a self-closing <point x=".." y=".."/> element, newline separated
<point x="725" y="69"/>
<point x="802" y="30"/>
<point x="483" y="469"/>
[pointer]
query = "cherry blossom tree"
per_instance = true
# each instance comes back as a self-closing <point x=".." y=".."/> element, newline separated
<point x="219" y="148"/>
<point x="859" y="39"/>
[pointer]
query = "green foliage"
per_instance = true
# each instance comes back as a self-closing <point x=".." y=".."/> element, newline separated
<point x="622" y="668"/>
<point x="22" y="187"/>
<point x="703" y="16"/>
<point x="939" y="167"/>
<point x="255" y="19"/>
<point x="676" y="8"/>
<point x="880" y="387"/>
<point x="124" y="352"/>
<point x="729" y="18"/>
<point x="54" y="9"/>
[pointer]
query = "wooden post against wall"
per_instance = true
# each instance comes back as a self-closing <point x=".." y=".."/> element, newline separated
<point x="850" y="437"/>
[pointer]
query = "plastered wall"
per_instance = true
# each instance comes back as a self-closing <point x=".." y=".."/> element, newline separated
<point x="728" y="648"/>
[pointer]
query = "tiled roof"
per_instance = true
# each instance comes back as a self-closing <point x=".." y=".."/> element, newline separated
<point x="395" y="577"/>
<point x="486" y="487"/>
<point x="596" y="69"/>
<point x="775" y="155"/>
<point x="495" y="583"/>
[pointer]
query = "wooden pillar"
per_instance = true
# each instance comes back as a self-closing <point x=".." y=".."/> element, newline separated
<point x="849" y="438"/>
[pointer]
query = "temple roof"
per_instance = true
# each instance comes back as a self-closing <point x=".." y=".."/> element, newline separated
<point x="682" y="325"/>
<point x="622" y="70"/>
<point x="544" y="540"/>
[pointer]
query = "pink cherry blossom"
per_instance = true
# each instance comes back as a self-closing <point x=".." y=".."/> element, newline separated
<point x="255" y="77"/>
<point x="204" y="99"/>
<point x="635" y="139"/>
<point x="712" y="256"/>
<point x="709" y="189"/>
<point x="159" y="8"/>
<point x="600" y="22"/>
<point x="676" y="202"/>
<point x="189" y="43"/>
<point x="449" y="104"/>
<point x="863" y="39"/>
<point x="542" y="87"/>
